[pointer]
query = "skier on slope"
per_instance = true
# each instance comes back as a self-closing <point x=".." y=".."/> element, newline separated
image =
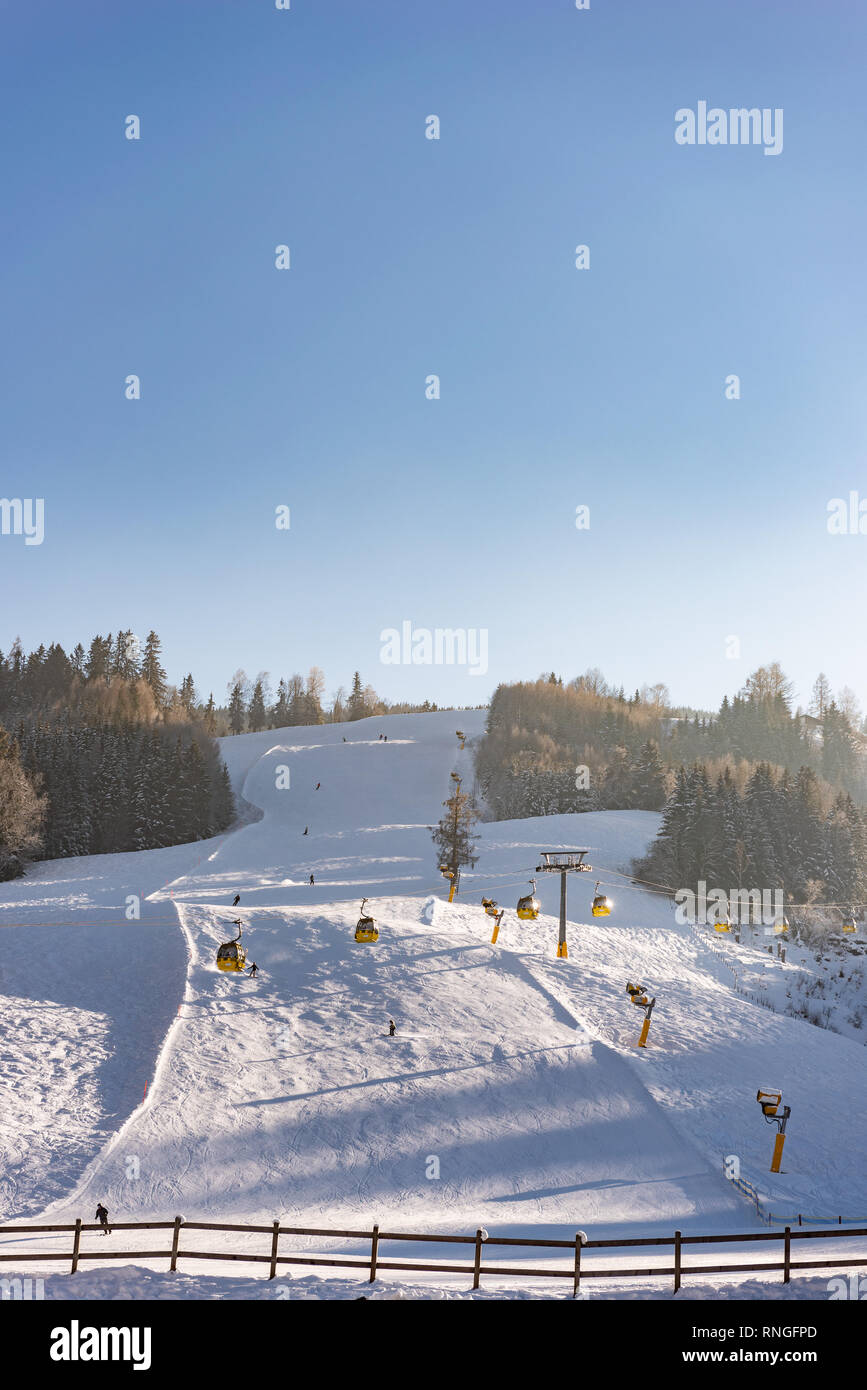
<point x="236" y="899"/>
<point x="318" y="785"/>
<point x="102" y="1218"/>
<point x="311" y="879"/>
<point x="253" y="969"/>
<point x="306" y="828"/>
<point x="391" y="1028"/>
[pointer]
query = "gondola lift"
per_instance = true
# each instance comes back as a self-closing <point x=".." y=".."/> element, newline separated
<point x="721" y="920"/>
<point x="528" y="907"/>
<point x="601" y="905"/>
<point x="232" y="956"/>
<point x="365" y="927"/>
<point x="849" y="923"/>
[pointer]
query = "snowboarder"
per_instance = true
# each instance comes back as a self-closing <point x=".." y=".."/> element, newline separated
<point x="306" y="828"/>
<point x="236" y="899"/>
<point x="253" y="969"/>
<point x="391" y="1028"/>
<point x="102" y="1217"/>
<point x="311" y="880"/>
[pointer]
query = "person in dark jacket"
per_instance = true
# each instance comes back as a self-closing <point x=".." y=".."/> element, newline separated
<point x="391" y="1028"/>
<point x="236" y="899"/>
<point x="102" y="1217"/>
<point x="253" y="969"/>
<point x="312" y="880"/>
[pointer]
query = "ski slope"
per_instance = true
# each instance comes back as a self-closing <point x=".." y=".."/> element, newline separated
<point x="512" y="1095"/>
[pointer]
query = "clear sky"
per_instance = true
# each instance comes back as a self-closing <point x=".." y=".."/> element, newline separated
<point x="560" y="387"/>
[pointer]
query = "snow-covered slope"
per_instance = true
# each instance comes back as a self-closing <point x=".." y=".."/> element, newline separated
<point x="512" y="1095"/>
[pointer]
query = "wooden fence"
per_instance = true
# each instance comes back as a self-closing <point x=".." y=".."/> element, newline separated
<point x="374" y="1264"/>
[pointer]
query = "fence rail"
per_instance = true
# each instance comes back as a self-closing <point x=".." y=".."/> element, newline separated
<point x="374" y="1263"/>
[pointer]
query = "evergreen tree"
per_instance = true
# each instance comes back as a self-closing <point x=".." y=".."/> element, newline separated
<point x="280" y="714"/>
<point x="355" y="704"/>
<point x="257" y="717"/>
<point x="237" y="702"/>
<point x="151" y="668"/>
<point x="209" y="717"/>
<point x="453" y="835"/>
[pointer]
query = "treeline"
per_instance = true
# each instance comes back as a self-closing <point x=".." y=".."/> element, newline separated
<point x="106" y="756"/>
<point x="551" y="747"/>
<point x="299" y="700"/>
<point x="776" y="831"/>
<point x="120" y="680"/>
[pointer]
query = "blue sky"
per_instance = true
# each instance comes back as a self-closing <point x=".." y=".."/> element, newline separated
<point x="410" y="256"/>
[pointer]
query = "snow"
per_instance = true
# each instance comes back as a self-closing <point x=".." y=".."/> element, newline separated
<point x="512" y="1096"/>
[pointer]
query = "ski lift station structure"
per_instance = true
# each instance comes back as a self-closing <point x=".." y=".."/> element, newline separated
<point x="563" y="862"/>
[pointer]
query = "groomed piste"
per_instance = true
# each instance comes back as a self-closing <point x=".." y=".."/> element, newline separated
<point x="511" y="1095"/>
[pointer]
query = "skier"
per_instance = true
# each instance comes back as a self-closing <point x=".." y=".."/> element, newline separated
<point x="311" y="880"/>
<point x="102" y="1217"/>
<point x="344" y="738"/>
<point x="236" y="899"/>
<point x="385" y="738"/>
<point x="391" y="1028"/>
<point x="253" y="969"/>
<point x="318" y="785"/>
<point x="306" y="828"/>
<point x="380" y="738"/>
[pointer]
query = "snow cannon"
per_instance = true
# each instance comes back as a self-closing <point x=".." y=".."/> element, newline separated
<point x="770" y="1103"/>
<point x="490" y="907"/>
<point x="232" y="956"/>
<point x="365" y="927"/>
<point x="638" y="995"/>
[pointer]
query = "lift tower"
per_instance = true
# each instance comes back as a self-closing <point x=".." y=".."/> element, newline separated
<point x="563" y="862"/>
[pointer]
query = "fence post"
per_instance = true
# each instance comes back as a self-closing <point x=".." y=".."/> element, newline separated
<point x="477" y="1267"/>
<point x="577" y="1280"/>
<point x="274" y="1239"/>
<point x="75" y="1244"/>
<point x="374" y="1251"/>
<point x="786" y="1254"/>
<point x="175" y="1238"/>
<point x="676" y="1261"/>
